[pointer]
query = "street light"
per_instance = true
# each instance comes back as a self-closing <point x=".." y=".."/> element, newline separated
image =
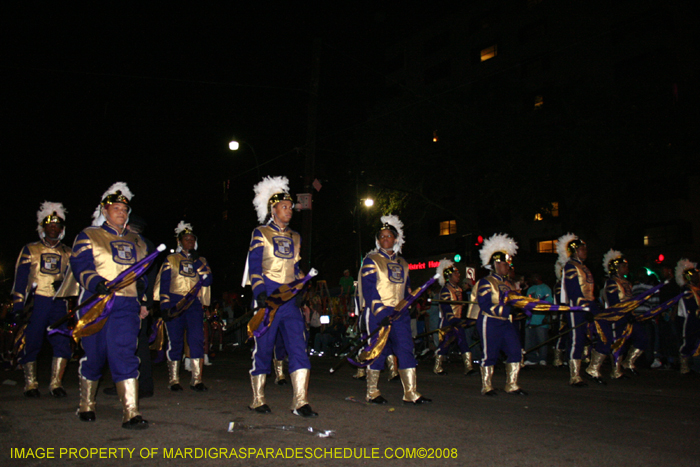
<point x="234" y="145"/>
<point x="369" y="202"/>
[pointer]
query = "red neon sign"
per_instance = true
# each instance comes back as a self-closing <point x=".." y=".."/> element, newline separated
<point x="423" y="265"/>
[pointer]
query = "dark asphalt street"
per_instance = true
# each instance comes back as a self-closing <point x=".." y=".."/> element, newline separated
<point x="648" y="420"/>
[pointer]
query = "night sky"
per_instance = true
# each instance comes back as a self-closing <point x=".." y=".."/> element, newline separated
<point x="152" y="95"/>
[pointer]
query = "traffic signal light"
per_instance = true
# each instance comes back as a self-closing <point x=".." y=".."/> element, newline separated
<point x="660" y="259"/>
<point x="457" y="258"/>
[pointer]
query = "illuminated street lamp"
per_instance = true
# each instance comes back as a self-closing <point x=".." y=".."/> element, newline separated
<point x="369" y="202"/>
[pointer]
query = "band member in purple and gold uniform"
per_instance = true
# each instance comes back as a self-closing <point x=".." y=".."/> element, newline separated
<point x="273" y="260"/>
<point x="688" y="278"/>
<point x="45" y="264"/>
<point x="181" y="273"/>
<point x="100" y="253"/>
<point x="577" y="290"/>
<point x="494" y="317"/>
<point x="618" y="289"/>
<point x="384" y="283"/>
<point x="451" y="315"/>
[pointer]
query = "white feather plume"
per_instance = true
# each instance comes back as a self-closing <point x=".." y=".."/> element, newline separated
<point x="395" y="222"/>
<point x="683" y="265"/>
<point x="46" y="209"/>
<point x="444" y="264"/>
<point x="609" y="256"/>
<point x="497" y="242"/>
<point x="562" y="242"/>
<point x="264" y="191"/>
<point x="182" y="226"/>
<point x="97" y="217"/>
<point x="559" y="268"/>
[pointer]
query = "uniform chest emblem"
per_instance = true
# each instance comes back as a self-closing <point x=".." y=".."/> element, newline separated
<point x="123" y="252"/>
<point x="283" y="247"/>
<point x="186" y="268"/>
<point x="395" y="273"/>
<point x="50" y="263"/>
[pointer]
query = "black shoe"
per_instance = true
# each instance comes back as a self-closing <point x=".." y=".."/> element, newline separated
<point x="281" y="382"/>
<point x="145" y="394"/>
<point x="199" y="387"/>
<point x="580" y="384"/>
<point x="470" y="372"/>
<point x="32" y="393"/>
<point x="419" y="401"/>
<point x="442" y="373"/>
<point x="361" y="378"/>
<point x="86" y="416"/>
<point x="491" y="393"/>
<point x="58" y="392"/>
<point x="598" y="380"/>
<point x="518" y="392"/>
<point x="110" y="391"/>
<point x="395" y="378"/>
<point x="136" y="423"/>
<point x="633" y="371"/>
<point x="378" y="400"/>
<point x="305" y="411"/>
<point x="262" y="409"/>
<point x="176" y="387"/>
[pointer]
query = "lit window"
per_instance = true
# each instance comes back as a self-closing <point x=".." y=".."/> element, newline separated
<point x="555" y="209"/>
<point x="448" y="227"/>
<point x="547" y="246"/>
<point x="538" y="216"/>
<point x="646" y="240"/>
<point x="489" y="52"/>
<point x="539" y="102"/>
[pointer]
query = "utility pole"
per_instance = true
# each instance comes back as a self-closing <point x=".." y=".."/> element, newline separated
<point x="306" y="215"/>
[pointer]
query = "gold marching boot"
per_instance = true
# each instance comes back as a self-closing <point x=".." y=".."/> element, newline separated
<point x="616" y="372"/>
<point x="300" y="386"/>
<point x="361" y="373"/>
<point x="512" y="370"/>
<point x="437" y="368"/>
<point x="86" y="409"/>
<point x="410" y="392"/>
<point x="575" y="374"/>
<point x="558" y="360"/>
<point x="632" y="357"/>
<point x="468" y="363"/>
<point x="392" y="367"/>
<point x="593" y="369"/>
<point x="278" y="365"/>
<point x="196" y="383"/>
<point x="258" y="384"/>
<point x="685" y="365"/>
<point x="373" y="394"/>
<point x="58" y="368"/>
<point x="174" y="375"/>
<point x="31" y="385"/>
<point x="128" y="392"/>
<point x="586" y="354"/>
<point x="486" y="377"/>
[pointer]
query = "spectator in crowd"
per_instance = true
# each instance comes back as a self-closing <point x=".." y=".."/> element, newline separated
<point x="537" y="326"/>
